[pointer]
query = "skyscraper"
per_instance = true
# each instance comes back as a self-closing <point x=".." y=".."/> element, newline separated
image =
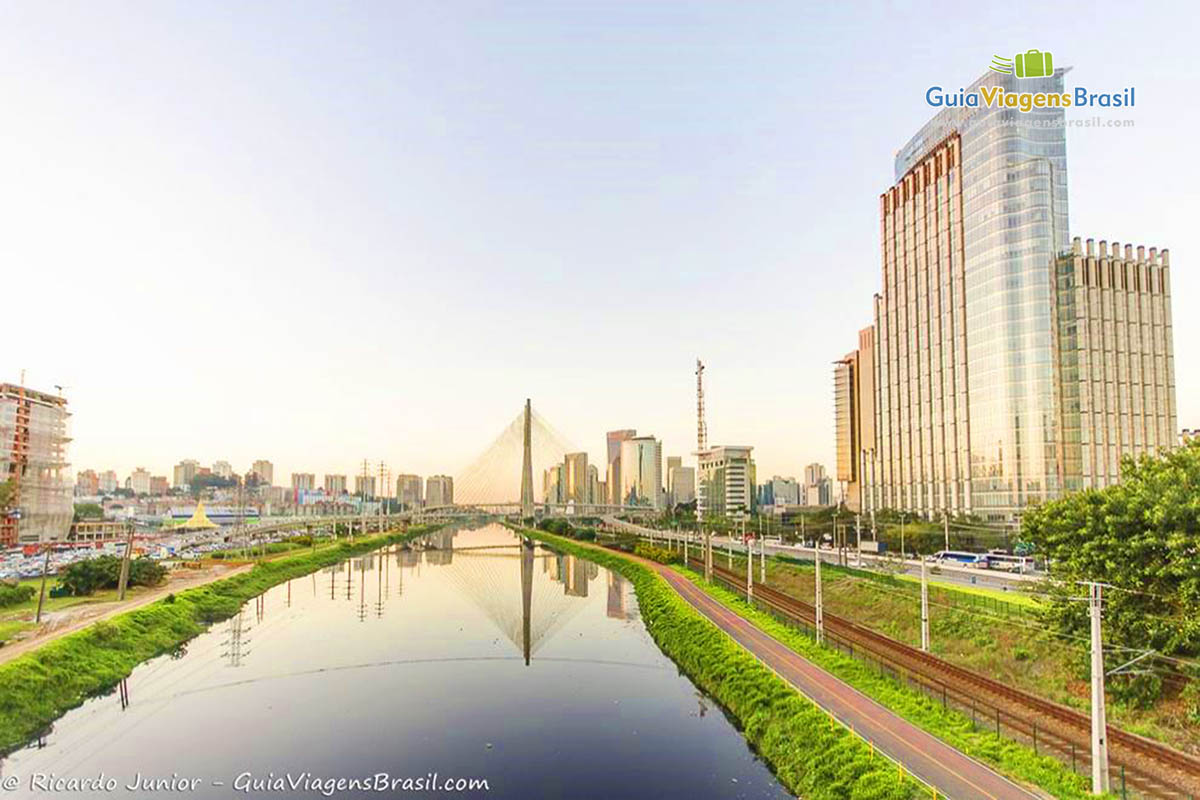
<point x="962" y="396"/>
<point x="613" y="479"/>
<point x="681" y="484"/>
<point x="1117" y="358"/>
<point x="552" y="484"/>
<point x="335" y="485"/>
<point x="641" y="472"/>
<point x="575" y="478"/>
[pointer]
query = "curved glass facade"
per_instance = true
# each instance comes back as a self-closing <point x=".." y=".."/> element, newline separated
<point x="1013" y="184"/>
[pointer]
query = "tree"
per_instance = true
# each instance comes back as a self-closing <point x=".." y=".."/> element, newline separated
<point x="84" y="577"/>
<point x="88" y="511"/>
<point x="201" y="482"/>
<point x="1141" y="536"/>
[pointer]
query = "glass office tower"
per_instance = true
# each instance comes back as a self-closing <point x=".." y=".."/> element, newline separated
<point x="968" y="409"/>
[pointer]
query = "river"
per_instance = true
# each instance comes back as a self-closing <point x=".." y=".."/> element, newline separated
<point x="466" y="657"/>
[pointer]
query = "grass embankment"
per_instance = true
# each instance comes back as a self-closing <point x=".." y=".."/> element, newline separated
<point x="40" y="686"/>
<point x="952" y="727"/>
<point x="1018" y="649"/>
<point x="811" y="756"/>
<point x="18" y="618"/>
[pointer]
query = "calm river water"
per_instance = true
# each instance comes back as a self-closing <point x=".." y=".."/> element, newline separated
<point x="466" y="657"/>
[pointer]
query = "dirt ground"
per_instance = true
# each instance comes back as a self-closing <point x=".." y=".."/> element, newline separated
<point x="68" y="620"/>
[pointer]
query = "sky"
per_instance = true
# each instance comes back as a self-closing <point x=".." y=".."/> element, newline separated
<point x="321" y="232"/>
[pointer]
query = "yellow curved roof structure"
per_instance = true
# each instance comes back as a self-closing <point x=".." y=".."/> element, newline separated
<point x="199" y="520"/>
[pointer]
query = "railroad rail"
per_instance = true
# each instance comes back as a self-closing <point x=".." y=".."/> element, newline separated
<point x="1151" y="768"/>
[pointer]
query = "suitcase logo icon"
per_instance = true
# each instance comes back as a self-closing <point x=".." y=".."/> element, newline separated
<point x="1030" y="64"/>
<point x="1035" y="64"/>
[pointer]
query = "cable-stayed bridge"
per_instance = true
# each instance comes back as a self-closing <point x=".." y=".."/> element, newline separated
<point x="502" y="479"/>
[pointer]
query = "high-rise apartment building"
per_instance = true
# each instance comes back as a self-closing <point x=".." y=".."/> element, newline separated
<point x="304" y="481"/>
<point x="159" y="486"/>
<point x="185" y="472"/>
<point x="961" y="396"/>
<point x="409" y="491"/>
<point x="439" y="491"/>
<point x="335" y="485"/>
<point x="265" y="471"/>
<point x="108" y="481"/>
<point x="641" y="472"/>
<point x="725" y="482"/>
<point x="613" y="441"/>
<point x="222" y="469"/>
<point x="139" y="481"/>
<point x="87" y="483"/>
<point x="33" y="462"/>
<point x="364" y="486"/>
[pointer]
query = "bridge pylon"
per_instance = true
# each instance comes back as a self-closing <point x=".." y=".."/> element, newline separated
<point x="527" y="465"/>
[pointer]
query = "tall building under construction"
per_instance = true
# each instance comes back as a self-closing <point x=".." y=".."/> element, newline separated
<point x="33" y="463"/>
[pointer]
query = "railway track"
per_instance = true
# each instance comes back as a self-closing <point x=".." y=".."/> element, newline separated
<point x="1151" y="767"/>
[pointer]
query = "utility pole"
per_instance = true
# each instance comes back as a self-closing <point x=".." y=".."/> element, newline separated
<point x="124" y="581"/>
<point x="924" y="607"/>
<point x="42" y="594"/>
<point x="749" y="570"/>
<point x="762" y="561"/>
<point x="902" y="556"/>
<point x="820" y="613"/>
<point x="708" y="555"/>
<point x="1099" y="722"/>
<point x="946" y="527"/>
<point x="858" y="538"/>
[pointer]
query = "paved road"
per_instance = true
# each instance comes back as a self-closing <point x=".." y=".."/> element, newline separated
<point x="948" y="573"/>
<point x="953" y="774"/>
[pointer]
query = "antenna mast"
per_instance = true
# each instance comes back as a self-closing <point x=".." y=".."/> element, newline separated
<point x="701" y="427"/>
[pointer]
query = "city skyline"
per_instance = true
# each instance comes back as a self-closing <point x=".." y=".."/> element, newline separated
<point x="731" y="160"/>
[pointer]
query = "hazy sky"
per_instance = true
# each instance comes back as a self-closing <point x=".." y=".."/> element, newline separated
<point x="320" y="232"/>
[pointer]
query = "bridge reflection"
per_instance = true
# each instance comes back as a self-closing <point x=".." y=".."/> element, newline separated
<point x="528" y="592"/>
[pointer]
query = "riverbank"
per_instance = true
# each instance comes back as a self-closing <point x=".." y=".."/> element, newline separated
<point x="38" y="687"/>
<point x="66" y="615"/>
<point x="811" y="755"/>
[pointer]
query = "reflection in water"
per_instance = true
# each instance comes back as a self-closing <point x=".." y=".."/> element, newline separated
<point x="529" y="606"/>
<point x="528" y="602"/>
<point x="412" y="659"/>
